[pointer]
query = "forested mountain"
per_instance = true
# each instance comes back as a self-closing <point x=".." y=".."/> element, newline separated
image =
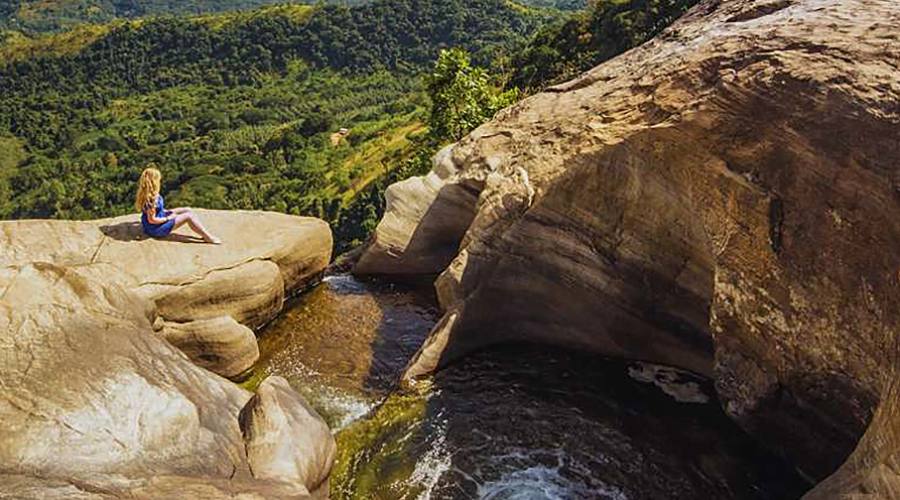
<point x="45" y="15"/>
<point x="237" y="109"/>
<point x="49" y="15"/>
<point x="557" y="4"/>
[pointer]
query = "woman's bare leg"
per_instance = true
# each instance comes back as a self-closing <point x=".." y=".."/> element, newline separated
<point x="193" y="221"/>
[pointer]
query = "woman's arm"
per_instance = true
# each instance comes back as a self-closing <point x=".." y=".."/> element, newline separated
<point x="152" y="219"/>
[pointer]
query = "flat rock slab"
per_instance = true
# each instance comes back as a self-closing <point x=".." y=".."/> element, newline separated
<point x="298" y="245"/>
<point x="265" y="257"/>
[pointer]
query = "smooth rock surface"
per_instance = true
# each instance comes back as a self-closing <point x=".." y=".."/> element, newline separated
<point x="221" y="345"/>
<point x="286" y="439"/>
<point x="19" y="487"/>
<point x="95" y="403"/>
<point x="725" y="198"/>
<point x="424" y="221"/>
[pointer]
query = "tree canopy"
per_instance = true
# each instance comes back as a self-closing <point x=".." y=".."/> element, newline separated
<point x="604" y="30"/>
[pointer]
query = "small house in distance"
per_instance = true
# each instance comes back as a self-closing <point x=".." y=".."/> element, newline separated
<point x="339" y="136"/>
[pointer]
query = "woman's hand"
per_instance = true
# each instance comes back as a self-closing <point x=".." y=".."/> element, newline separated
<point x="153" y="219"/>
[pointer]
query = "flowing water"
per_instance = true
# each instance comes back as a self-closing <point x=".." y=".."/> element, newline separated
<point x="513" y="422"/>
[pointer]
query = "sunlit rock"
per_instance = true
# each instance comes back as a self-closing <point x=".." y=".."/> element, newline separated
<point x="286" y="439"/>
<point x="265" y="257"/>
<point x="96" y="402"/>
<point x="221" y="345"/>
<point x="722" y="199"/>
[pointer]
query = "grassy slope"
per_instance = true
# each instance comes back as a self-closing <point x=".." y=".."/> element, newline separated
<point x="379" y="156"/>
<point x="12" y="153"/>
<point x="17" y="46"/>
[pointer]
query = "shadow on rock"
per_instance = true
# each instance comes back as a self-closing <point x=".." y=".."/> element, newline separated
<point x="132" y="231"/>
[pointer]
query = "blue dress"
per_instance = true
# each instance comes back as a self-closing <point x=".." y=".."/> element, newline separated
<point x="158" y="230"/>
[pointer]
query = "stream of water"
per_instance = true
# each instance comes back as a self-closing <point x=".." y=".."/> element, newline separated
<point x="513" y="422"/>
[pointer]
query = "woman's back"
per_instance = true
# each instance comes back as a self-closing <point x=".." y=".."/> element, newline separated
<point x="159" y="211"/>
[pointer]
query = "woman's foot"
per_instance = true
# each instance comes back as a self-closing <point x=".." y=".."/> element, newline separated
<point x="212" y="240"/>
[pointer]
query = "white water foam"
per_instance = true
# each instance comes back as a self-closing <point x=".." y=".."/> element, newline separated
<point x="434" y="464"/>
<point x="344" y="283"/>
<point x="344" y="407"/>
<point x="542" y="482"/>
<point x="523" y="476"/>
<point x="351" y="409"/>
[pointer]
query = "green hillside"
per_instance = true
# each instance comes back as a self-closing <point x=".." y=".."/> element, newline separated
<point x="46" y="15"/>
<point x="238" y="109"/>
<point x="54" y="15"/>
<point x="564" y="49"/>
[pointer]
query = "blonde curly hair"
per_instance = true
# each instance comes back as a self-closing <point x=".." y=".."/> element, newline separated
<point x="148" y="188"/>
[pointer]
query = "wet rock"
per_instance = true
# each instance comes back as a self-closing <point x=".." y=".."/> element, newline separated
<point x="286" y="439"/>
<point x="719" y="199"/>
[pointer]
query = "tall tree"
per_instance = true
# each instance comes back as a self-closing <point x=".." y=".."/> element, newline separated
<point x="462" y="96"/>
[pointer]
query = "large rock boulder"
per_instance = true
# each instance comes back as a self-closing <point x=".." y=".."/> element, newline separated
<point x="220" y="344"/>
<point x="95" y="404"/>
<point x="286" y="439"/>
<point x="424" y="218"/>
<point x="725" y="198"/>
<point x="199" y="290"/>
<point x="98" y="403"/>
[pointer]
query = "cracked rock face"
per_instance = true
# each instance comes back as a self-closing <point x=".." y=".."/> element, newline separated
<point x="722" y="199"/>
<point x="95" y="403"/>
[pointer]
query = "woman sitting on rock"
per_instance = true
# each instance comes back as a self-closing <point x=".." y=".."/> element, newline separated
<point x="155" y="219"/>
